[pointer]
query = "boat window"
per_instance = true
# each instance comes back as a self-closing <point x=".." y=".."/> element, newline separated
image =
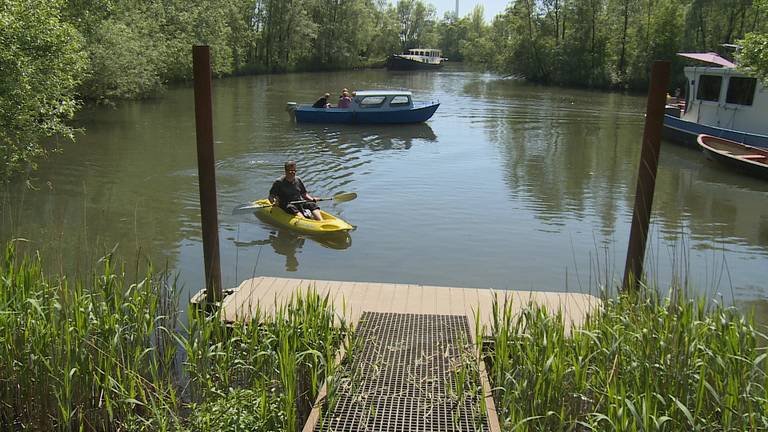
<point x="741" y="91"/>
<point x="709" y="88"/>
<point x="399" y="100"/>
<point x="370" y="101"/>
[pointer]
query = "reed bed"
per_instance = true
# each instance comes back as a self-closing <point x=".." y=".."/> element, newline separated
<point x="641" y="363"/>
<point x="106" y="353"/>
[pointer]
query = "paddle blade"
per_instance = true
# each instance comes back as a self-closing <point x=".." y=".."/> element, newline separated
<point x="344" y="197"/>
<point x="248" y="208"/>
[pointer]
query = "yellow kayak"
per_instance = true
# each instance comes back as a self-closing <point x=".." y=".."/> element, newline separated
<point x="276" y="215"/>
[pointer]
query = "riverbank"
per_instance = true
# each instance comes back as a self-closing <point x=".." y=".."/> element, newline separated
<point x="111" y="352"/>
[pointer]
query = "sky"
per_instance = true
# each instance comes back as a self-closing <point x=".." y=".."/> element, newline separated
<point x="492" y="7"/>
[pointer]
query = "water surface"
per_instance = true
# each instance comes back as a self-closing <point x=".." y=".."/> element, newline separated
<point x="509" y="185"/>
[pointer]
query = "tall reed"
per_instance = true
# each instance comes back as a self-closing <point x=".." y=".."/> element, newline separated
<point x="640" y="363"/>
<point x="108" y="354"/>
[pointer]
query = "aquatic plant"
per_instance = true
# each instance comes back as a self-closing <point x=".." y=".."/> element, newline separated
<point x="109" y="354"/>
<point x="641" y="362"/>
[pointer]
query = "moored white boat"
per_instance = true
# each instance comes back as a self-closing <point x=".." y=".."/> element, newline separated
<point x="719" y="101"/>
<point x="416" y="59"/>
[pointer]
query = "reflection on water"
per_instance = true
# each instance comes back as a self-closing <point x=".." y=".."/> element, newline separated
<point x="371" y="137"/>
<point x="289" y="243"/>
<point x="509" y="185"/>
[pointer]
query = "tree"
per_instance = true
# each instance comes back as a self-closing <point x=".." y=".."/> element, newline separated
<point x="754" y="53"/>
<point x="41" y="63"/>
<point x="416" y="19"/>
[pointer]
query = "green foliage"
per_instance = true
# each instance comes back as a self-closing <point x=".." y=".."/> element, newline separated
<point x="108" y="50"/>
<point x="604" y="43"/>
<point x="109" y="354"/>
<point x="42" y="63"/>
<point x="415" y="19"/>
<point x="754" y="55"/>
<point x="125" y="61"/>
<point x="237" y="411"/>
<point x="647" y="364"/>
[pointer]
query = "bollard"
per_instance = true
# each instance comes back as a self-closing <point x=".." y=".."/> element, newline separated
<point x="646" y="176"/>
<point x="201" y="65"/>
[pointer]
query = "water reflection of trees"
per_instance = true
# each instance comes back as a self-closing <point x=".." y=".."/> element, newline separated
<point x="576" y="154"/>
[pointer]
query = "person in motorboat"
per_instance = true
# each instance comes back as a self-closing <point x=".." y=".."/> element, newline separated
<point x="322" y="102"/>
<point x="288" y="189"/>
<point x="345" y="101"/>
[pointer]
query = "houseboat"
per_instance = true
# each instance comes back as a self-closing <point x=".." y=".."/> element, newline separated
<point x="369" y="106"/>
<point x="719" y="101"/>
<point x="416" y="59"/>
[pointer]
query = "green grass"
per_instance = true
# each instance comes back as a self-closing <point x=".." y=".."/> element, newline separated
<point x="641" y="363"/>
<point x="110" y="354"/>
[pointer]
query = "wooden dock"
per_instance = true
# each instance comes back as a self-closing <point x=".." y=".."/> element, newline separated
<point x="354" y="298"/>
<point x="422" y="313"/>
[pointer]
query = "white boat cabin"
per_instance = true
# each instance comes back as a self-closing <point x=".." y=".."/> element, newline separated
<point x="424" y="55"/>
<point x="725" y="98"/>
<point x="383" y="100"/>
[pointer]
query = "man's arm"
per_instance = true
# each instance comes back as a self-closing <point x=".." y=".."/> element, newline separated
<point x="273" y="193"/>
<point x="304" y="193"/>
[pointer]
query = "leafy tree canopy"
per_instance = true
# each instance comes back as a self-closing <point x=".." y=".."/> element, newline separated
<point x="42" y="63"/>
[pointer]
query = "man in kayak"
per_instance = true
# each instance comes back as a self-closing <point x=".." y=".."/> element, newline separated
<point x="288" y="189"/>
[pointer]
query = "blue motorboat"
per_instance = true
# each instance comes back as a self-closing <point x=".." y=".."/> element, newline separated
<point x="720" y="101"/>
<point x="370" y="106"/>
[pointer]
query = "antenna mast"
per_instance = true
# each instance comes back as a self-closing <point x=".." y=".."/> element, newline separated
<point x="457" y="9"/>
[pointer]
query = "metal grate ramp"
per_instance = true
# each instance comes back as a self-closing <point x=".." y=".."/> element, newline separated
<point x="407" y="372"/>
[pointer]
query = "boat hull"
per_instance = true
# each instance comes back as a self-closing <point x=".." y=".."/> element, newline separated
<point x="742" y="159"/>
<point x="275" y="215"/>
<point x="417" y="114"/>
<point x="687" y="132"/>
<point x="395" y="62"/>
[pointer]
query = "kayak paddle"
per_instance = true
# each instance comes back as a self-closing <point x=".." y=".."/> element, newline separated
<point x="250" y="207"/>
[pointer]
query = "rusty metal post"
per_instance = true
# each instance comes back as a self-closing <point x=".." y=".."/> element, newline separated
<point x="646" y="176"/>
<point x="201" y="66"/>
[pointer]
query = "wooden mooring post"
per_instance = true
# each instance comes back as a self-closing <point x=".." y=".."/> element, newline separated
<point x="201" y="66"/>
<point x="646" y="176"/>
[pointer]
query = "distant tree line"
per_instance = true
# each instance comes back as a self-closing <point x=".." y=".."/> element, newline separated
<point x="58" y="53"/>
<point x="609" y="43"/>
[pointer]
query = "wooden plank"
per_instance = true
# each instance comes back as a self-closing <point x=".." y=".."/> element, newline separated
<point x="233" y="304"/>
<point x="470" y="301"/>
<point x="261" y="292"/>
<point x="228" y="300"/>
<point x="284" y="290"/>
<point x="391" y="295"/>
<point x="425" y="305"/>
<point x="356" y="298"/>
<point x="456" y="301"/>
<point x="262" y="297"/>
<point x="235" y="310"/>
<point x="412" y="298"/>
<point x="440" y="299"/>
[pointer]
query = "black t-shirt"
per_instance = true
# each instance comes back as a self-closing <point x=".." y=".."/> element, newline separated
<point x="320" y="103"/>
<point x="286" y="191"/>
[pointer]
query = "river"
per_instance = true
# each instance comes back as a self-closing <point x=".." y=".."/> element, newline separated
<point x="510" y="185"/>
